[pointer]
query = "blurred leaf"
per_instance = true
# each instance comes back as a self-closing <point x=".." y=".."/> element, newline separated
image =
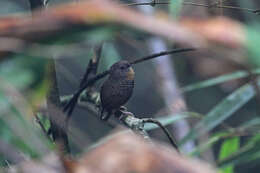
<point x="175" y="8"/>
<point x="228" y="147"/>
<point x="5" y="133"/>
<point x="221" y="112"/>
<point x="38" y="95"/>
<point x="109" y="55"/>
<point x="16" y="75"/>
<point x="248" y="16"/>
<point x="218" y="80"/>
<point x="9" y="134"/>
<point x="253" y="41"/>
<point x="251" y="124"/>
<point x="214" y="138"/>
<point x="96" y="35"/>
<point x="9" y="7"/>
<point x="22" y="133"/>
<point x="17" y="126"/>
<point x="210" y="142"/>
<point x="167" y="120"/>
<point x="99" y="35"/>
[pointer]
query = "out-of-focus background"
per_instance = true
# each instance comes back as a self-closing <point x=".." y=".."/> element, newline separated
<point x="210" y="87"/>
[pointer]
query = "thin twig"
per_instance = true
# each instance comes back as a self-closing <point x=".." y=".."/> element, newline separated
<point x="216" y="3"/>
<point x="69" y="107"/>
<point x="37" y="119"/>
<point x="153" y="3"/>
<point x="91" y="70"/>
<point x="169" y="136"/>
<point x="45" y="131"/>
<point x="161" y="54"/>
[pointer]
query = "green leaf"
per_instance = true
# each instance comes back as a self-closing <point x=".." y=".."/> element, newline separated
<point x="166" y="121"/>
<point x="218" y="80"/>
<point x="18" y="128"/>
<point x="210" y="142"/>
<point x="221" y="112"/>
<point x="229" y="147"/>
<point x="249" y="152"/>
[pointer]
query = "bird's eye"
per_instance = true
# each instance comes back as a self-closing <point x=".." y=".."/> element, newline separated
<point x="122" y="67"/>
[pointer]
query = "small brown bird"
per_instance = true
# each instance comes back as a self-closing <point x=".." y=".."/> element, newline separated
<point x="117" y="89"/>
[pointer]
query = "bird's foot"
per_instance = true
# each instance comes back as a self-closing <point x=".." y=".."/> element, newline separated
<point x="122" y="112"/>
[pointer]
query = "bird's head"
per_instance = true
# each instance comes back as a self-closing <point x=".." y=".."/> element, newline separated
<point x="122" y="70"/>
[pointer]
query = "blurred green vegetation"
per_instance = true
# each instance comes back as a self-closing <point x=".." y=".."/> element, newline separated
<point x="230" y="117"/>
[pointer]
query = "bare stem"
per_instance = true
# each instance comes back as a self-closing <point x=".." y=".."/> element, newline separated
<point x="69" y="107"/>
<point x="153" y="3"/>
<point x="165" y="130"/>
<point x="162" y="54"/>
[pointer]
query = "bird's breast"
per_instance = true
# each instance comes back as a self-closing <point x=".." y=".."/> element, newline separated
<point x="130" y="74"/>
<point x="116" y="93"/>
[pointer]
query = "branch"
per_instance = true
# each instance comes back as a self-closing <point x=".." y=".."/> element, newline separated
<point x="37" y="119"/>
<point x="161" y="54"/>
<point x="69" y="107"/>
<point x="135" y="124"/>
<point x="128" y="119"/>
<point x="169" y="136"/>
<point x="91" y="71"/>
<point x="214" y="5"/>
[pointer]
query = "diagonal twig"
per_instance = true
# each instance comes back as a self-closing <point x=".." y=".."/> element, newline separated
<point x="162" y="54"/>
<point x="168" y="134"/>
<point x="90" y="73"/>
<point x="91" y="70"/>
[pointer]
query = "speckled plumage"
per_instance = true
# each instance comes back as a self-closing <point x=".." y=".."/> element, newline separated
<point x="117" y="89"/>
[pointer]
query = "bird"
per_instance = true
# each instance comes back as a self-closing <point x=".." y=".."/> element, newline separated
<point x="117" y="88"/>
